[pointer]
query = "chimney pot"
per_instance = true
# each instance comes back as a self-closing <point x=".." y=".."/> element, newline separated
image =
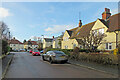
<point x="106" y="14"/>
<point x="80" y="23"/>
<point x="53" y="37"/>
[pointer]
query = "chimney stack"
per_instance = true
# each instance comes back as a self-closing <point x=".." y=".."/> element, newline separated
<point x="13" y="37"/>
<point x="53" y="37"/>
<point x="106" y="14"/>
<point x="80" y="23"/>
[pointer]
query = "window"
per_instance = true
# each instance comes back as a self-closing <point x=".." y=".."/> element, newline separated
<point x="101" y="30"/>
<point x="95" y="32"/>
<point x="65" y="38"/>
<point x="80" y="47"/>
<point x="74" y="45"/>
<point x="108" y="46"/>
<point x="66" y="47"/>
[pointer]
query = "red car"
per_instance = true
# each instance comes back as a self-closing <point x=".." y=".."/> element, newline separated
<point x="30" y="51"/>
<point x="35" y="52"/>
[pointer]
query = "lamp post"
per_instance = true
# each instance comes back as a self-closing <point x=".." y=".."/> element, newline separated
<point x="42" y="40"/>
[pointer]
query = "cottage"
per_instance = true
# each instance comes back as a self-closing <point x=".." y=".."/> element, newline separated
<point x="107" y="25"/>
<point x="30" y="44"/>
<point x="16" y="44"/>
<point x="47" y="42"/>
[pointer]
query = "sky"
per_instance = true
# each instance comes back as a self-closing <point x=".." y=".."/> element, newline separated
<point x="28" y="19"/>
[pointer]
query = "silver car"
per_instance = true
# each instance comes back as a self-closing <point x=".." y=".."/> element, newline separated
<point x="55" y="56"/>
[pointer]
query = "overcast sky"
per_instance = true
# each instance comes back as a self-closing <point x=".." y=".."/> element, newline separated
<point x="27" y="19"/>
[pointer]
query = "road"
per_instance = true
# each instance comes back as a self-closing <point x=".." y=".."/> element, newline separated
<point x="24" y="65"/>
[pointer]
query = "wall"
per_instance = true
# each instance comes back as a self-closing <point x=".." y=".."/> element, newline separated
<point x="17" y="46"/>
<point x="110" y="36"/>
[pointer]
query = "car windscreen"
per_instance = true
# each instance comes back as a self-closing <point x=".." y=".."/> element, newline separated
<point x="36" y="51"/>
<point x="59" y="52"/>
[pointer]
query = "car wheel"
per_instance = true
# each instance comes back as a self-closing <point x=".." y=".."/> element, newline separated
<point x="43" y="58"/>
<point x="66" y="61"/>
<point x="50" y="60"/>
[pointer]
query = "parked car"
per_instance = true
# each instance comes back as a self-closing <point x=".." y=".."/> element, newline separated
<point x="55" y="56"/>
<point x="30" y="51"/>
<point x="42" y="51"/>
<point x="35" y="52"/>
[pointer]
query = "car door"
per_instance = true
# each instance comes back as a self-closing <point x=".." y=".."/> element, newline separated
<point x="47" y="55"/>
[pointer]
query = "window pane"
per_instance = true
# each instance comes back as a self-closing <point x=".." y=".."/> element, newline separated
<point x="106" y="45"/>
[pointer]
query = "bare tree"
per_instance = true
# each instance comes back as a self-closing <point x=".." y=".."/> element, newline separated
<point x="92" y="40"/>
<point x="4" y="31"/>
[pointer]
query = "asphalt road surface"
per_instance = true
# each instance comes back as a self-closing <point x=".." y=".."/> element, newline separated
<point x="24" y="65"/>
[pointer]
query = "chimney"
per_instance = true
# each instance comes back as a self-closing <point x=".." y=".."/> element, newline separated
<point x="106" y="14"/>
<point x="13" y="37"/>
<point x="53" y="37"/>
<point x="80" y="23"/>
<point x="29" y="40"/>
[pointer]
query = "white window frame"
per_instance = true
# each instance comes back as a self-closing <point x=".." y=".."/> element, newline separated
<point x="66" y="47"/>
<point x="108" y="45"/>
<point x="101" y="30"/>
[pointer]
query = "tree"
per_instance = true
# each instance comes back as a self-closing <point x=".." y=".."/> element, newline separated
<point x="24" y="41"/>
<point x="92" y="40"/>
<point x="4" y="31"/>
<point x="4" y="46"/>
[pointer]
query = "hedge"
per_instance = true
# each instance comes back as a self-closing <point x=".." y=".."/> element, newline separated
<point x="99" y="58"/>
<point x="66" y="51"/>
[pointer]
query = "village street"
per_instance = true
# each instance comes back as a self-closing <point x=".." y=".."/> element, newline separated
<point x="24" y="65"/>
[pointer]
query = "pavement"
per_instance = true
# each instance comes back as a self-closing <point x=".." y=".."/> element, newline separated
<point x="99" y="67"/>
<point x="5" y="62"/>
<point x="24" y="65"/>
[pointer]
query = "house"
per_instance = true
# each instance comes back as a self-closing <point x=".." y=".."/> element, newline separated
<point x="30" y="44"/>
<point x="16" y="44"/>
<point x="107" y="25"/>
<point x="71" y="38"/>
<point x="57" y="42"/>
<point x="47" y="42"/>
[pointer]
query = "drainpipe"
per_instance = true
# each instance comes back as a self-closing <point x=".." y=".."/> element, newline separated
<point x="116" y="38"/>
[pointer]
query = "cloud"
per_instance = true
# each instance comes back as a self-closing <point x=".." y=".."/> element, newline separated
<point x="59" y="28"/>
<point x="114" y="11"/>
<point x="4" y="12"/>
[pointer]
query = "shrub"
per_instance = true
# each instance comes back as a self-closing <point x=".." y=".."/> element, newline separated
<point x="5" y="47"/>
<point x="99" y="58"/>
<point x="66" y="51"/>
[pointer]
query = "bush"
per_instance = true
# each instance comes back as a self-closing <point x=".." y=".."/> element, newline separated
<point x="5" y="47"/>
<point x="110" y="59"/>
<point x="66" y="51"/>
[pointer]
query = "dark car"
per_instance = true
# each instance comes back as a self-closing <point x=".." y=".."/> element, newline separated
<point x="55" y="56"/>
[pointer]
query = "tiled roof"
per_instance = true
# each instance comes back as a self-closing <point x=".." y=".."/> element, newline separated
<point x="15" y="41"/>
<point x="48" y="39"/>
<point x="114" y="22"/>
<point x="83" y="30"/>
<point x="32" y="42"/>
